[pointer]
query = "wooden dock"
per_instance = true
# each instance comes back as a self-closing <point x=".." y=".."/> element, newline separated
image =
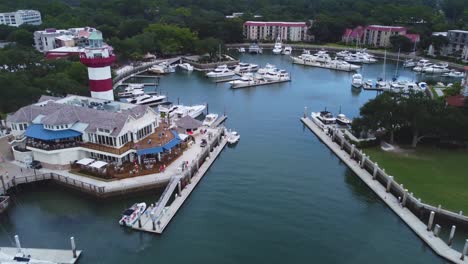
<point x="219" y="121"/>
<point x="419" y="228"/>
<point x="156" y="224"/>
<point x="224" y="80"/>
<point x="258" y="83"/>
<point x="58" y="256"/>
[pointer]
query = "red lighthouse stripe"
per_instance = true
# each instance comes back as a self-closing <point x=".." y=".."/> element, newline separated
<point x="100" y="85"/>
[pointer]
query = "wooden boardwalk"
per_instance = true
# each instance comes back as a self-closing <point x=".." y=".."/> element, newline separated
<point x="59" y="256"/>
<point x="420" y="228"/>
<point x="157" y="227"/>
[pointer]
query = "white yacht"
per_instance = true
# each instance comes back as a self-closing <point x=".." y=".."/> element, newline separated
<point x="132" y="214"/>
<point x="241" y="50"/>
<point x="147" y="99"/>
<point x="341" y="65"/>
<point x="158" y="69"/>
<point x="343" y="120"/>
<point x="243" y="67"/>
<point x="132" y="90"/>
<point x="357" y="80"/>
<point x="454" y="74"/>
<point x="409" y="63"/>
<point x="277" y="75"/>
<point x="381" y="84"/>
<point x="421" y="67"/>
<point x="437" y="68"/>
<point x="220" y="71"/>
<point x="334" y="64"/>
<point x="210" y="119"/>
<point x="343" y="53"/>
<point x="192" y="111"/>
<point x="167" y="110"/>
<point x="325" y="117"/>
<point x="268" y="67"/>
<point x="287" y="50"/>
<point x="255" y="49"/>
<point x="168" y="68"/>
<point x="278" y="47"/>
<point x="423" y="62"/>
<point x="186" y="66"/>
<point x="232" y="137"/>
<point x="403" y="86"/>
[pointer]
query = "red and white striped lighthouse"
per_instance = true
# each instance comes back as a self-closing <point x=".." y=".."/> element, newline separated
<point x="98" y="59"/>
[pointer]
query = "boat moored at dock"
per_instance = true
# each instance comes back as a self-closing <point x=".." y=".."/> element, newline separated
<point x="357" y="81"/>
<point x="220" y="72"/>
<point x="132" y="214"/>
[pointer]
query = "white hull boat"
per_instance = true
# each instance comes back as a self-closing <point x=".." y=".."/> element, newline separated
<point x="454" y="74"/>
<point x="278" y="48"/>
<point x="276" y="76"/>
<point x="132" y="90"/>
<point x="186" y="66"/>
<point x="268" y="67"/>
<point x="192" y="111"/>
<point x="287" y="50"/>
<point x="245" y="67"/>
<point x="220" y="72"/>
<point x="343" y="120"/>
<point x="357" y="81"/>
<point x="210" y="119"/>
<point x="132" y="214"/>
<point x="233" y="137"/>
<point x="147" y="99"/>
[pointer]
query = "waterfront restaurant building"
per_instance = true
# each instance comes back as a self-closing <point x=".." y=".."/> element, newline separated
<point x="59" y="131"/>
<point x="269" y="31"/>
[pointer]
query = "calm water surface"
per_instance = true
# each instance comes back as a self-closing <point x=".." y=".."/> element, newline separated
<point x="279" y="196"/>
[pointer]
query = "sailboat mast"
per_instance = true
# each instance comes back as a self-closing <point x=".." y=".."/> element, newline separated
<point x="397" y="62"/>
<point x="384" y="64"/>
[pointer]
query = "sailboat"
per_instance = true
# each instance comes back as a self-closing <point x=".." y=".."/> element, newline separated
<point x="382" y="83"/>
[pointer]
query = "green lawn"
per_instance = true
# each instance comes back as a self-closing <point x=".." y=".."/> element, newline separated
<point x="436" y="176"/>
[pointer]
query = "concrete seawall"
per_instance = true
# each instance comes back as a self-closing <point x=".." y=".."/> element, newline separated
<point x="388" y="190"/>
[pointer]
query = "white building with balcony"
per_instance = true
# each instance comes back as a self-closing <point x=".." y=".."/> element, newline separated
<point x="20" y="17"/>
<point x="286" y="31"/>
<point x="60" y="131"/>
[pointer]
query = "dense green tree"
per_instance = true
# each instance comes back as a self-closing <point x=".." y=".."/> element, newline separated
<point x="402" y="43"/>
<point x="21" y="37"/>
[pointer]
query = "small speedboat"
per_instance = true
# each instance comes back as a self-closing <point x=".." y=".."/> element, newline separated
<point x="210" y="119"/>
<point x="409" y="63"/>
<point x="132" y="214"/>
<point x="278" y="48"/>
<point x="368" y="84"/>
<point x="186" y="66"/>
<point x="241" y="50"/>
<point x="233" y="137"/>
<point x="343" y="120"/>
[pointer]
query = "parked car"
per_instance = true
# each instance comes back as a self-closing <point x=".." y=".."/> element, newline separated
<point x="203" y="143"/>
<point x="35" y="165"/>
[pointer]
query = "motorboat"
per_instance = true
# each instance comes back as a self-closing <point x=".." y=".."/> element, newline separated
<point x="168" y="68"/>
<point x="158" y="69"/>
<point x="278" y="48"/>
<point x="343" y="120"/>
<point x="381" y="84"/>
<point x="254" y="48"/>
<point x="287" y="50"/>
<point x="369" y="84"/>
<point x="437" y="68"/>
<point x="241" y="50"/>
<point x="343" y="53"/>
<point x="454" y="74"/>
<point x="409" y="63"/>
<point x="276" y="75"/>
<point x="147" y="99"/>
<point x="132" y="214"/>
<point x="403" y="86"/>
<point x="4" y="203"/>
<point x="220" y="71"/>
<point x="268" y="67"/>
<point x="210" y="119"/>
<point x="334" y="64"/>
<point x="325" y="117"/>
<point x="341" y="65"/>
<point x="247" y="80"/>
<point x="167" y="110"/>
<point x="305" y="52"/>
<point x="423" y="62"/>
<point x="193" y="111"/>
<point x="245" y="67"/>
<point x="186" y="66"/>
<point x="422" y="67"/>
<point x="132" y="90"/>
<point x="232" y="137"/>
<point x="357" y="80"/>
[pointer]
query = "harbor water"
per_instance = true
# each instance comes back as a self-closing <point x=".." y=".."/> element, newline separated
<point x="278" y="196"/>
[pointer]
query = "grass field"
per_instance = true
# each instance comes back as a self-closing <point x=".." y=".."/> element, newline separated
<point x="436" y="176"/>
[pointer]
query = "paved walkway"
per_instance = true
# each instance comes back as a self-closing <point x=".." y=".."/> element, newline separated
<point x="436" y="243"/>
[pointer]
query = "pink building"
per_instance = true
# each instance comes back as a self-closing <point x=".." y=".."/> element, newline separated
<point x="353" y="35"/>
<point x="286" y="31"/>
<point x="376" y="35"/>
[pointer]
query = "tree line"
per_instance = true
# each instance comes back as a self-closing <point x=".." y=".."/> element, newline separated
<point x="412" y="118"/>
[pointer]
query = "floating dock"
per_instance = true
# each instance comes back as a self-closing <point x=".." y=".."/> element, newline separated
<point x="219" y="121"/>
<point x="424" y="231"/>
<point x="157" y="218"/>
<point x="257" y="82"/>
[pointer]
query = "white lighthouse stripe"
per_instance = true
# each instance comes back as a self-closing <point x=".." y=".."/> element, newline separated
<point x="109" y="95"/>
<point x="99" y="73"/>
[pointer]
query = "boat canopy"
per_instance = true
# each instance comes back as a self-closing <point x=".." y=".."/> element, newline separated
<point x="38" y="131"/>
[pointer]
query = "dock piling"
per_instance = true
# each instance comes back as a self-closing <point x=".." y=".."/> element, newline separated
<point x="452" y="235"/>
<point x="179" y="188"/>
<point x="305" y="111"/>
<point x="431" y="221"/>
<point x="73" y="246"/>
<point x="374" y="174"/>
<point x="363" y="160"/>
<point x="352" y="150"/>
<point x="460" y="213"/>
<point x="436" y="230"/>
<point x="389" y="183"/>
<point x="152" y="220"/>
<point x="139" y="222"/>
<point x="18" y="244"/>
<point x="465" y="250"/>
<point x="405" y="197"/>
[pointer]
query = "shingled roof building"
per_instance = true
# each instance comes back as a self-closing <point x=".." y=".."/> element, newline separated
<point x="59" y="131"/>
